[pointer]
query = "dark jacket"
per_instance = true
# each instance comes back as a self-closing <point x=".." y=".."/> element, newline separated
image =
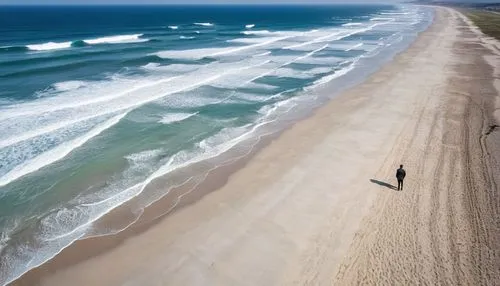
<point x="400" y="174"/>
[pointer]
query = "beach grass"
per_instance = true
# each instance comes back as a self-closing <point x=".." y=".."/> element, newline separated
<point x="488" y="22"/>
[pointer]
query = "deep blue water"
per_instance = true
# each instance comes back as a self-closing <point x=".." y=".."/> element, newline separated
<point x="99" y="104"/>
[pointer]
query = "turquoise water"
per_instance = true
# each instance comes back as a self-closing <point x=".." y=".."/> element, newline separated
<point x="97" y="103"/>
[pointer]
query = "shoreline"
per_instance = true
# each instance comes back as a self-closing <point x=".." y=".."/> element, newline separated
<point x="367" y="64"/>
<point x="276" y="153"/>
<point x="126" y="223"/>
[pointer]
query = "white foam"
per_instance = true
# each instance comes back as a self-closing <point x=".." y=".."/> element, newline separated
<point x="292" y="73"/>
<point x="320" y="61"/>
<point x="235" y="81"/>
<point x="249" y="26"/>
<point x="306" y="59"/>
<point x="354" y="47"/>
<point x="186" y="37"/>
<point x="307" y="55"/>
<point x="69" y="85"/>
<point x="249" y="97"/>
<point x="39" y="131"/>
<point x="204" y="24"/>
<point x="246" y="40"/>
<point x="394" y="13"/>
<point x="263" y="54"/>
<point x="49" y="46"/>
<point x="267" y="33"/>
<point x="173" y="27"/>
<point x="176" y="117"/>
<point x="314" y="41"/>
<point x="151" y="91"/>
<point x="9" y="227"/>
<point x="248" y="79"/>
<point x="382" y="19"/>
<point x="71" y="103"/>
<point x="174" y="69"/>
<point x="351" y="24"/>
<point x="336" y="35"/>
<point x="319" y="70"/>
<point x="116" y="39"/>
<point x="151" y="66"/>
<point x="215" y="52"/>
<point x="304" y="47"/>
<point x="280" y="95"/>
<point x="282" y="106"/>
<point x="193" y="54"/>
<point x="56" y="153"/>
<point x="143" y="157"/>
<point x="259" y="32"/>
<point x="333" y="76"/>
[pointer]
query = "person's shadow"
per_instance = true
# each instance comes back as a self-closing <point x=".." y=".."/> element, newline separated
<point x="384" y="184"/>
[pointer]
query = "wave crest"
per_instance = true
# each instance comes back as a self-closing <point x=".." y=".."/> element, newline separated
<point x="136" y="38"/>
<point x="204" y="24"/>
<point x="49" y="46"/>
<point x="176" y="117"/>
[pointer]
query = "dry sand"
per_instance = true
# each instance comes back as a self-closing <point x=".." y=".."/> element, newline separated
<point x="303" y="211"/>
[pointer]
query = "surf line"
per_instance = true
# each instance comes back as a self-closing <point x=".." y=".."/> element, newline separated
<point x="88" y="102"/>
<point x="273" y="70"/>
<point x="339" y="35"/>
<point x="62" y="150"/>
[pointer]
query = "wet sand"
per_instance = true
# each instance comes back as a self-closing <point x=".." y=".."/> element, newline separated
<point x="316" y="206"/>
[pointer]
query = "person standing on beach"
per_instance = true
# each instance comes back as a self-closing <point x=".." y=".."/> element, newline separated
<point x="400" y="175"/>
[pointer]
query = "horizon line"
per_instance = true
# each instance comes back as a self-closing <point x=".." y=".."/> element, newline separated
<point x="201" y="4"/>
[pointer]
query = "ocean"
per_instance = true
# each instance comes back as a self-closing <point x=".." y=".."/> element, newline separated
<point x="105" y="107"/>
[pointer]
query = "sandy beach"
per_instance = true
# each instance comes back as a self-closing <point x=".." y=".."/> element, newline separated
<point x="317" y="205"/>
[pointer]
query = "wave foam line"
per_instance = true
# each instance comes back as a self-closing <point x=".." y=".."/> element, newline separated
<point x="56" y="153"/>
<point x="260" y="32"/>
<point x="249" y="26"/>
<point x="394" y="13"/>
<point x="116" y="39"/>
<point x="75" y="104"/>
<point x="277" y="68"/>
<point x="339" y="35"/>
<point x="330" y="77"/>
<point x="263" y="54"/>
<point x="54" y="127"/>
<point x="173" y="27"/>
<point x="121" y="39"/>
<point x="251" y="46"/>
<point x="382" y="19"/>
<point x="204" y="24"/>
<point x="202" y="53"/>
<point x="49" y="46"/>
<point x="353" y="47"/>
<point x="288" y="33"/>
<point x="317" y="40"/>
<point x="291" y="62"/>
<point x="351" y="24"/>
<point x="69" y="85"/>
<point x="176" y="117"/>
